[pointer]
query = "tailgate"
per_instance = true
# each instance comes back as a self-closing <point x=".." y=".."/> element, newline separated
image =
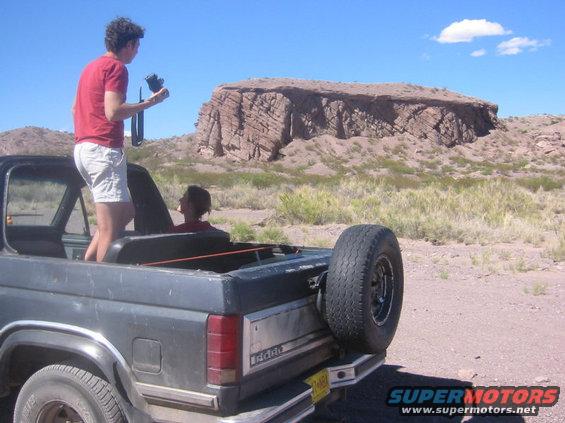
<point x="280" y="333"/>
<point x="281" y="343"/>
<point x="283" y="333"/>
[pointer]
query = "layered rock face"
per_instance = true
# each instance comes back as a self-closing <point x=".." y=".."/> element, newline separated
<point x="254" y="119"/>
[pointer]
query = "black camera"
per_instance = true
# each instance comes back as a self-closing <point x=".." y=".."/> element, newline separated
<point x="155" y="83"/>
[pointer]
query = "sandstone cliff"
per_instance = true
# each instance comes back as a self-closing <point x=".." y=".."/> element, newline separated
<point x="254" y="119"/>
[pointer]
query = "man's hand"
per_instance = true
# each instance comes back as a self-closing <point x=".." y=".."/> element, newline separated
<point x="115" y="109"/>
<point x="159" y="96"/>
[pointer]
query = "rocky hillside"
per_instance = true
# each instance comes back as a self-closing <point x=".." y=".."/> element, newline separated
<point x="33" y="140"/>
<point x="255" y="119"/>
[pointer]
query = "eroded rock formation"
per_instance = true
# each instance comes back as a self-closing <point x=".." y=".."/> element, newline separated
<point x="254" y="119"/>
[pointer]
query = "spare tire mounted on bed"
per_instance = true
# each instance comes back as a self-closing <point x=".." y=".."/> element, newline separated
<point x="364" y="286"/>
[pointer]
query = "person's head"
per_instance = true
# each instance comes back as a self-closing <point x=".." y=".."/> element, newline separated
<point x="122" y="38"/>
<point x="195" y="202"/>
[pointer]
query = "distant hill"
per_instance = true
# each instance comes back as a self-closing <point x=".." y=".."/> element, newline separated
<point x="154" y="154"/>
<point x="43" y="142"/>
<point x="37" y="141"/>
<point x="525" y="145"/>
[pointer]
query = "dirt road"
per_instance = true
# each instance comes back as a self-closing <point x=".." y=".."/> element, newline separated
<point x="477" y="315"/>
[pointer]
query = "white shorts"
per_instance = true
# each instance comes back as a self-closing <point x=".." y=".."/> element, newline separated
<point x="104" y="170"/>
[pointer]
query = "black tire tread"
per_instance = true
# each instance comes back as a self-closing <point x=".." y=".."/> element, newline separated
<point x="350" y="263"/>
<point x="101" y="390"/>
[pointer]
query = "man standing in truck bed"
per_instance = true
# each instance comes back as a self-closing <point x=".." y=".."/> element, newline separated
<point x="99" y="111"/>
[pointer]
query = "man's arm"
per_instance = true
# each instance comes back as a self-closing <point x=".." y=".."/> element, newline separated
<point x="115" y="109"/>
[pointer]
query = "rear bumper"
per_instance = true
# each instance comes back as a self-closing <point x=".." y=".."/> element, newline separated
<point x="293" y="402"/>
<point x="289" y="403"/>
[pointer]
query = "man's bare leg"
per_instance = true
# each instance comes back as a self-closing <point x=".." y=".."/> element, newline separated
<point x="128" y="213"/>
<point x="111" y="219"/>
<point x="90" y="254"/>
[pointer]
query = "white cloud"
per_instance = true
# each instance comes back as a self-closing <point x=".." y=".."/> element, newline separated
<point x="517" y="45"/>
<point x="479" y="53"/>
<point x="468" y="29"/>
<point x="426" y="57"/>
<point x="127" y="133"/>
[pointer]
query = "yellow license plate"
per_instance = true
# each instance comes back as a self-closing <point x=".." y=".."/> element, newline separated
<point x="320" y="383"/>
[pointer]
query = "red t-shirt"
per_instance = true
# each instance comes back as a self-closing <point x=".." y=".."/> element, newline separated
<point x="103" y="74"/>
<point x="192" y="227"/>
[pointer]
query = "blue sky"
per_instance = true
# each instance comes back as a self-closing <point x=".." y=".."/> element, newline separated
<point x="518" y="51"/>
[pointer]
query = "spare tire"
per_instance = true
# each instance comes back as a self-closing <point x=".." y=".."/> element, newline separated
<point x="364" y="288"/>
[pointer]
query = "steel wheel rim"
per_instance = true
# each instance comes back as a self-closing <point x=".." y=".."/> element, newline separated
<point x="58" y="412"/>
<point x="382" y="290"/>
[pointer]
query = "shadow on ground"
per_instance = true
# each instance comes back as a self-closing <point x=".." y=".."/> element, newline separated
<point x="365" y="402"/>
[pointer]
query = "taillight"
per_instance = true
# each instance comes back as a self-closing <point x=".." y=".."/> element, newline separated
<point x="223" y="360"/>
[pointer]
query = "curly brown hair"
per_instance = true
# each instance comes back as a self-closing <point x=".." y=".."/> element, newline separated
<point x="119" y="32"/>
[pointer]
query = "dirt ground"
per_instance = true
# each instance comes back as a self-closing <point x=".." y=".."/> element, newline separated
<point x="472" y="314"/>
<point x="483" y="315"/>
<point x="471" y="324"/>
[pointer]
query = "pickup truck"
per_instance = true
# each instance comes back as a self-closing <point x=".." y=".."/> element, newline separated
<point x="178" y="327"/>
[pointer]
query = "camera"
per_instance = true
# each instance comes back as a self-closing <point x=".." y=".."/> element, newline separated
<point x="154" y="82"/>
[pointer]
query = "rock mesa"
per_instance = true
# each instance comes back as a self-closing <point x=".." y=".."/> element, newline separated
<point x="254" y="119"/>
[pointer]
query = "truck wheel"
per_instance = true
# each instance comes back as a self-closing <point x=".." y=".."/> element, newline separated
<point x="364" y="288"/>
<point x="61" y="394"/>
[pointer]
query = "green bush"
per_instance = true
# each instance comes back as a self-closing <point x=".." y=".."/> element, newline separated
<point x="272" y="236"/>
<point x="311" y="206"/>
<point x="242" y="232"/>
<point x="535" y="183"/>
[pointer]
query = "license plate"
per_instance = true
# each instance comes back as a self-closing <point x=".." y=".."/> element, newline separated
<point x="320" y="383"/>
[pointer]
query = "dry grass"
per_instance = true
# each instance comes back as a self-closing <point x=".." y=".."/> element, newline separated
<point x="556" y="246"/>
<point x="491" y="211"/>
<point x="439" y="209"/>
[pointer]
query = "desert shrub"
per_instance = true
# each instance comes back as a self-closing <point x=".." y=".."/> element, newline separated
<point x="556" y="248"/>
<point x="434" y="207"/>
<point x="535" y="183"/>
<point x="557" y="253"/>
<point x="539" y="289"/>
<point x="272" y="235"/>
<point x="311" y="206"/>
<point x="218" y="220"/>
<point x="319" y="242"/>
<point x="394" y="166"/>
<point x="482" y="211"/>
<point x="245" y="196"/>
<point x="431" y="164"/>
<point x="138" y="154"/>
<point x="171" y="189"/>
<point x="242" y="232"/>
<point x="261" y="180"/>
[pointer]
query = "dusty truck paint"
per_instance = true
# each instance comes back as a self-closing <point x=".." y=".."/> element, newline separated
<point x="144" y="329"/>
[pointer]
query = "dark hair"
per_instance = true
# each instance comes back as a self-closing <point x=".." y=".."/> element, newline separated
<point x="200" y="199"/>
<point x="119" y="32"/>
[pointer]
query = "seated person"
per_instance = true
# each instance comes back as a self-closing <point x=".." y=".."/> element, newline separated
<point x="195" y="202"/>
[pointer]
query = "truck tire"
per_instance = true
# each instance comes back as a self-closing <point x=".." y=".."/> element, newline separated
<point x="364" y="288"/>
<point x="60" y="393"/>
